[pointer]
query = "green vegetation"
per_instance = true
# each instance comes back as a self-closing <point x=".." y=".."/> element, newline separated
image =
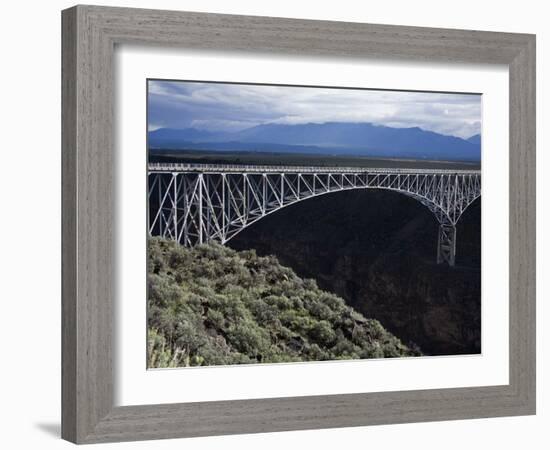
<point x="211" y="305"/>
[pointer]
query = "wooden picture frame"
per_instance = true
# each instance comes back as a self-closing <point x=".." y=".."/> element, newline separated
<point x="90" y="34"/>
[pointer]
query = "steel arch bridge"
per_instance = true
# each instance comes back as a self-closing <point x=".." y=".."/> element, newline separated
<point x="197" y="203"/>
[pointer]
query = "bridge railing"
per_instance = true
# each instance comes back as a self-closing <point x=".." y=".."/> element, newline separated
<point x="239" y="168"/>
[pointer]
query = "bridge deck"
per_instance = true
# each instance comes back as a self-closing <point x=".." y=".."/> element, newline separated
<point x="231" y="168"/>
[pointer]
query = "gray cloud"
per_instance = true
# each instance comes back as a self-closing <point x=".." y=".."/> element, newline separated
<point x="213" y="106"/>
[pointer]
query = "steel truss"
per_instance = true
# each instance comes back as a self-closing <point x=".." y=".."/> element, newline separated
<point x="197" y="203"/>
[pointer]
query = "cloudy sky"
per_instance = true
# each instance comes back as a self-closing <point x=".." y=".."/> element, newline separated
<point x="232" y="107"/>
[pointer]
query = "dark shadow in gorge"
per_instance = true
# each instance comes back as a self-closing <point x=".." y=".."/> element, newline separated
<point x="377" y="250"/>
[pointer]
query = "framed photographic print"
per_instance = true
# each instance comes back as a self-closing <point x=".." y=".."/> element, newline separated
<point x="278" y="224"/>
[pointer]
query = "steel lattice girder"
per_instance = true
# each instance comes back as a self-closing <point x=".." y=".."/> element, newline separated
<point x="193" y="204"/>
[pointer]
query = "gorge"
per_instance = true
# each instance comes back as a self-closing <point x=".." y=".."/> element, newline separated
<point x="376" y="250"/>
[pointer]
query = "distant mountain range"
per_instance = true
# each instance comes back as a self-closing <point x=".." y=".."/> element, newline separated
<point x="330" y="138"/>
<point x="475" y="139"/>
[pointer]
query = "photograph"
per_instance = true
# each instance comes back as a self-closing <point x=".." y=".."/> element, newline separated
<point x="296" y="224"/>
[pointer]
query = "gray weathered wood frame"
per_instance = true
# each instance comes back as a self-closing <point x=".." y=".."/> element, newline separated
<point x="89" y="36"/>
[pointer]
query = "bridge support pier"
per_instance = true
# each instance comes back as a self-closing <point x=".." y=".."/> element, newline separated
<point x="446" y="244"/>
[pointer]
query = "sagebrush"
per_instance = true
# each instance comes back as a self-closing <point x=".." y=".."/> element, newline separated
<point x="211" y="305"/>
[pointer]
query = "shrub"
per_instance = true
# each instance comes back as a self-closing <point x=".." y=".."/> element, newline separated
<point x="211" y="305"/>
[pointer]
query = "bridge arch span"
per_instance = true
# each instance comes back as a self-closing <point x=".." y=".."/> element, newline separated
<point x="200" y="203"/>
<point x="439" y="214"/>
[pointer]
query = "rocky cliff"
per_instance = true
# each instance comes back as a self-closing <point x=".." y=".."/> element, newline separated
<point x="377" y="250"/>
